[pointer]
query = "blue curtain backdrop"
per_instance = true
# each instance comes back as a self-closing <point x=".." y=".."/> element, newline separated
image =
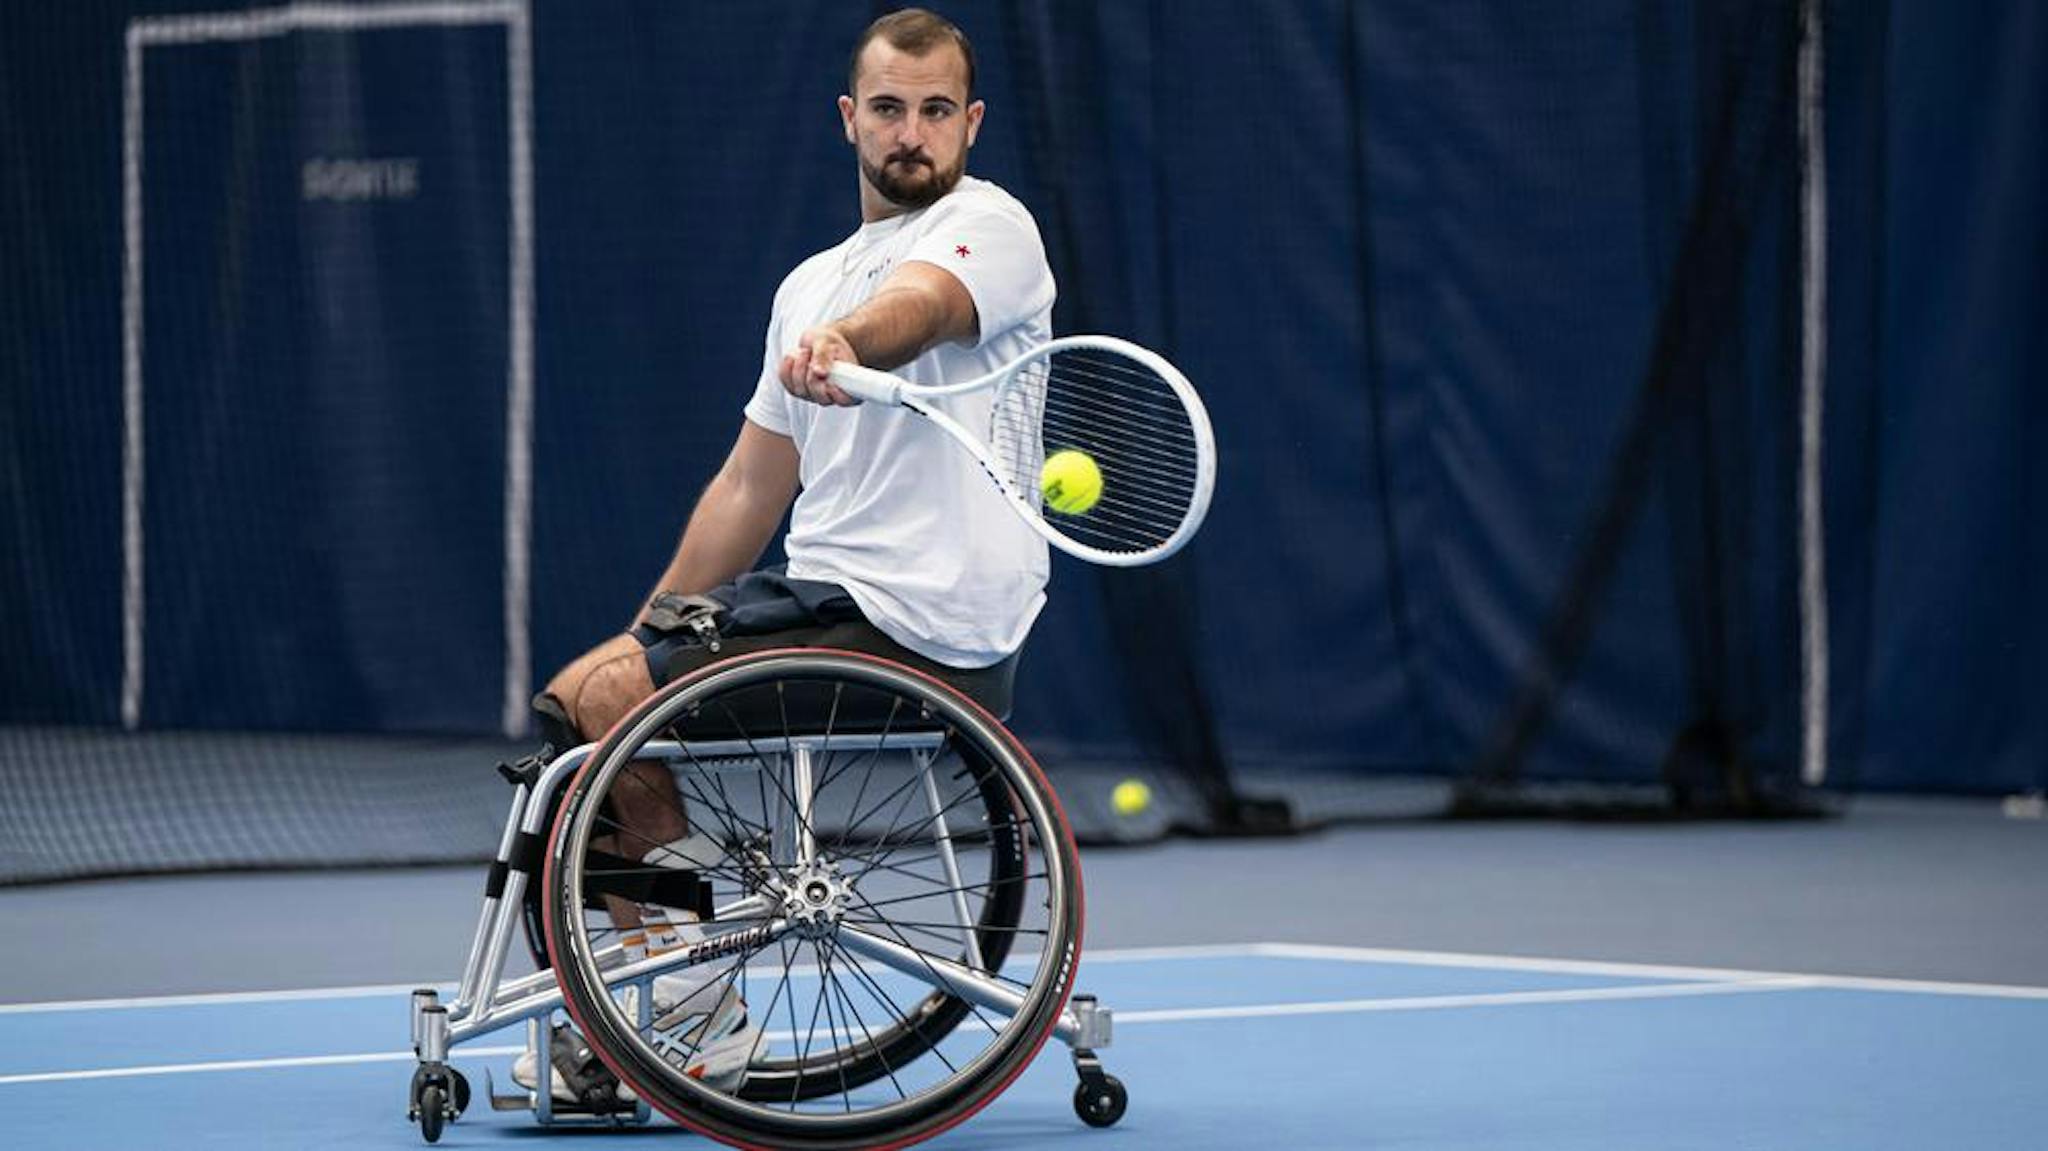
<point x="1415" y="255"/>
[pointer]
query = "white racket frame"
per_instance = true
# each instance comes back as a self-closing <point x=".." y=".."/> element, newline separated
<point x="873" y="386"/>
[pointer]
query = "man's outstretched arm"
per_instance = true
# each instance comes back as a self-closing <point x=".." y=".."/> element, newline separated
<point x="920" y="306"/>
<point x="737" y="514"/>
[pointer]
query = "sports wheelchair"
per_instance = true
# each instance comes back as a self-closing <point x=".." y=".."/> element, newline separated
<point x="895" y="896"/>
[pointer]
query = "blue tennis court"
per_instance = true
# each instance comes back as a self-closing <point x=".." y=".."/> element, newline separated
<point x="1221" y="1046"/>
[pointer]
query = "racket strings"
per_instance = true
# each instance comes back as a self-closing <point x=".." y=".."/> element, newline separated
<point x="1166" y="442"/>
<point x="1130" y="423"/>
<point x="1161" y="469"/>
<point x="1145" y="476"/>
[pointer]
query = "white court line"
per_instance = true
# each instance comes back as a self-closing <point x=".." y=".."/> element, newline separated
<point x="1701" y="981"/>
<point x="1183" y="951"/>
<point x="1639" y="970"/>
<point x="1173" y="1015"/>
<point x="373" y="991"/>
<point x="209" y="998"/>
<point x="1433" y="1002"/>
<point x="236" y="1065"/>
<point x="1310" y="951"/>
<point x="1446" y="1002"/>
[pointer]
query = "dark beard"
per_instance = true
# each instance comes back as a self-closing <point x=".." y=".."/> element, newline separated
<point x="905" y="194"/>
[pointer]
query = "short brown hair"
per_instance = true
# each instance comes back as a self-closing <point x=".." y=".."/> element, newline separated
<point x="912" y="30"/>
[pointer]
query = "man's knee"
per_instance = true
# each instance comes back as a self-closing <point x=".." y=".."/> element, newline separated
<point x="596" y="689"/>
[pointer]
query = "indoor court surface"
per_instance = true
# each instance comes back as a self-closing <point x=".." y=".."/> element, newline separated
<point x="1923" y="1032"/>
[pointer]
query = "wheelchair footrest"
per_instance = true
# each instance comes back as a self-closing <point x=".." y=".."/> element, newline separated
<point x="598" y="1101"/>
<point x="572" y="1113"/>
<point x="618" y="1113"/>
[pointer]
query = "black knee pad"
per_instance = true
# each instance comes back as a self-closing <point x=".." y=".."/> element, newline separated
<point x="555" y="725"/>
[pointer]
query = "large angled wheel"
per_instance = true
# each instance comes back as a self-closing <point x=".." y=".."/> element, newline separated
<point x="897" y="899"/>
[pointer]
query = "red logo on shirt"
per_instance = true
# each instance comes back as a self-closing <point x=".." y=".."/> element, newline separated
<point x="961" y="251"/>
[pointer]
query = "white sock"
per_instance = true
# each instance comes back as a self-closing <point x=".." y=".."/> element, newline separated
<point x="693" y="850"/>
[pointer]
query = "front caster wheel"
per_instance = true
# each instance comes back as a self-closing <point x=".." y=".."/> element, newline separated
<point x="433" y="1112"/>
<point x="439" y="1094"/>
<point x="1102" y="1102"/>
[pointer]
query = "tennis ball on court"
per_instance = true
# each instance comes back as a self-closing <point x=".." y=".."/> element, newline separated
<point x="1070" y="482"/>
<point x="1130" y="797"/>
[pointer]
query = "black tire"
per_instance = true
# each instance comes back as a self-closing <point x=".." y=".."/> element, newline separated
<point x="1101" y="1104"/>
<point x="1016" y="861"/>
<point x="433" y="1104"/>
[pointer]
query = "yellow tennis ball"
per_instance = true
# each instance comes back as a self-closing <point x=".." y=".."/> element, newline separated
<point x="1070" y="482"/>
<point x="1130" y="797"/>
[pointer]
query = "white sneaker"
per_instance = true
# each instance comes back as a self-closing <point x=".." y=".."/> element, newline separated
<point x="707" y="1036"/>
<point x="526" y="1073"/>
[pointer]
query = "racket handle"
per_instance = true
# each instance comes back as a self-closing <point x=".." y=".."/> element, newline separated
<point x="867" y="383"/>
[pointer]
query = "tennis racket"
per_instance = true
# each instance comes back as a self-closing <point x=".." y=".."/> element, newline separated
<point x="1133" y="414"/>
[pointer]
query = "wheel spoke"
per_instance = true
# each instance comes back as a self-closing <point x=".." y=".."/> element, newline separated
<point x="883" y="847"/>
<point x="940" y="980"/>
<point x="874" y="758"/>
<point x="796" y="1088"/>
<point x="811" y="1035"/>
<point x="795" y="809"/>
<point x="899" y="790"/>
<point x="728" y="812"/>
<point x="951" y="939"/>
<point x="761" y="1033"/>
<point x="873" y="755"/>
<point x="827" y="982"/>
<point x="1025" y="878"/>
<point x="875" y="1049"/>
<point x="861" y="972"/>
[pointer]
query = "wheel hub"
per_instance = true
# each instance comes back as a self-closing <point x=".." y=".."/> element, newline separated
<point x="814" y="898"/>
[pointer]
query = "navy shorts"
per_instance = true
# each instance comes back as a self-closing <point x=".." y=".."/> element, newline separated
<point x="767" y="609"/>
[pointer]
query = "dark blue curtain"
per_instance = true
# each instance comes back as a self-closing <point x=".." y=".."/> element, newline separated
<point x="1422" y="259"/>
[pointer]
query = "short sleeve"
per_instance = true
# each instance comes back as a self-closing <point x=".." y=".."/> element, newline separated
<point x="769" y="406"/>
<point x="991" y="246"/>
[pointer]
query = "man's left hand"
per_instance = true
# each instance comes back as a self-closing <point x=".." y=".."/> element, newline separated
<point x="807" y="369"/>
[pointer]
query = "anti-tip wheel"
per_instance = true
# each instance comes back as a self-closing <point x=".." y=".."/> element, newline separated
<point x="1101" y="1103"/>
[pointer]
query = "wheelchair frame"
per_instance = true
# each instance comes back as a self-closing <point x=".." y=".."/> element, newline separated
<point x="486" y="1002"/>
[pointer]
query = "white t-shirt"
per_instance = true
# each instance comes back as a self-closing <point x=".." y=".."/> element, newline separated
<point x="891" y="508"/>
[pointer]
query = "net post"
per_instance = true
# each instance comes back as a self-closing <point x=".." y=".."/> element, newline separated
<point x="1813" y="265"/>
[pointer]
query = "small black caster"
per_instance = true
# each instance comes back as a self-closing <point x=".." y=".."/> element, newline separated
<point x="1100" y="1101"/>
<point x="433" y="1111"/>
<point x="439" y="1094"/>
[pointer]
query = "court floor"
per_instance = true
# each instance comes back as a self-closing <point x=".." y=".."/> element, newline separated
<point x="1409" y="1006"/>
<point x="1282" y="1045"/>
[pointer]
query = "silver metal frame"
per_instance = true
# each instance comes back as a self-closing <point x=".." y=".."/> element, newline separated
<point x="486" y="1002"/>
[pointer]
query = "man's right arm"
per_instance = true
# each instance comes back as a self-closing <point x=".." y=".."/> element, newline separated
<point x="736" y="516"/>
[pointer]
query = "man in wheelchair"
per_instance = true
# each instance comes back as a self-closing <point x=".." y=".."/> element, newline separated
<point x="897" y="546"/>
